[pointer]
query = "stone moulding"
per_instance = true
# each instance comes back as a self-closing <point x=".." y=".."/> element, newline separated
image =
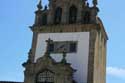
<point x="69" y="28"/>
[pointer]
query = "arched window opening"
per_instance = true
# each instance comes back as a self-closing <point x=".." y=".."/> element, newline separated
<point x="72" y="14"/>
<point x="58" y="15"/>
<point x="45" y="77"/>
<point x="38" y="21"/>
<point x="87" y="17"/>
<point x="44" y="19"/>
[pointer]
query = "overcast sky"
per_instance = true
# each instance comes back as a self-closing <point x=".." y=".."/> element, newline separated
<point x="15" y="37"/>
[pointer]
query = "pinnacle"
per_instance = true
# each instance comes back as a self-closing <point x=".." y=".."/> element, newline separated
<point x="39" y="6"/>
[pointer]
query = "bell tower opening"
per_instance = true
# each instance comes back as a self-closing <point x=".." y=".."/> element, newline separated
<point x="72" y="14"/>
<point x="44" y="19"/>
<point x="86" y="17"/>
<point x="58" y="15"/>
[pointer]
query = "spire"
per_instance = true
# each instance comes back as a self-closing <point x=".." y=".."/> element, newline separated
<point x="39" y="6"/>
<point x="95" y="2"/>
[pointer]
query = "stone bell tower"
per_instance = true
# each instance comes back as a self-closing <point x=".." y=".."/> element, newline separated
<point x="69" y="44"/>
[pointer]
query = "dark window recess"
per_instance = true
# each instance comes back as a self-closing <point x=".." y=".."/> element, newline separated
<point x="51" y="47"/>
<point x="44" y="19"/>
<point x="72" y="14"/>
<point x="73" y="47"/>
<point x="87" y="17"/>
<point x="38" y="20"/>
<point x="58" y="15"/>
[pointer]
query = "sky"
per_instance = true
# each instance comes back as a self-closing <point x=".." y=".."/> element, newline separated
<point x="15" y="37"/>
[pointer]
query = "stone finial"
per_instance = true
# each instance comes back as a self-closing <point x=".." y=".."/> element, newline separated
<point x="95" y="2"/>
<point x="38" y="12"/>
<point x="45" y="8"/>
<point x="87" y="4"/>
<point x="64" y="61"/>
<point x="39" y="6"/>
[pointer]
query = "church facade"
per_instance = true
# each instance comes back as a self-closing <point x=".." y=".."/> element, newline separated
<point x="69" y="44"/>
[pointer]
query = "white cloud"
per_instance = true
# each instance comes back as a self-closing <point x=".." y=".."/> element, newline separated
<point x="117" y="72"/>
